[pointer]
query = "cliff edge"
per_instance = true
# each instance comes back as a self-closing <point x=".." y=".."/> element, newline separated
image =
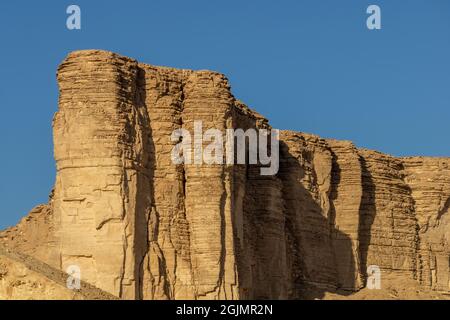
<point x="140" y="226"/>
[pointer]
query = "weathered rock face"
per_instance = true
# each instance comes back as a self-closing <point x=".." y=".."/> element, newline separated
<point x="140" y="226"/>
<point x="25" y="278"/>
<point x="429" y="183"/>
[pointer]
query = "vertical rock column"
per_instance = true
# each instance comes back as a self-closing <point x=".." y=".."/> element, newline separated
<point x="305" y="169"/>
<point x="259" y="220"/>
<point x="265" y="232"/>
<point x="387" y="234"/>
<point x="167" y="268"/>
<point x="345" y="199"/>
<point x="429" y="180"/>
<point x="102" y="194"/>
<point x="207" y="98"/>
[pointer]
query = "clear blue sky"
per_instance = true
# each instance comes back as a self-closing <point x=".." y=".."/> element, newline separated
<point x="310" y="66"/>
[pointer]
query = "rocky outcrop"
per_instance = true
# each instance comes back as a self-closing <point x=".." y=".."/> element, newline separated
<point x="141" y="226"/>
<point x="429" y="183"/>
<point x="25" y="278"/>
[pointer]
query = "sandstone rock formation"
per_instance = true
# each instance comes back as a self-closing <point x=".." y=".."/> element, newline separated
<point x="23" y="277"/>
<point x="141" y="227"/>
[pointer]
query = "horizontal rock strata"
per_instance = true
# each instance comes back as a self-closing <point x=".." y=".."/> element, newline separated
<point x="23" y="277"/>
<point x="140" y="226"/>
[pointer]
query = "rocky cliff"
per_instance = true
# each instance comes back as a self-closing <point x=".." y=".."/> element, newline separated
<point x="141" y="227"/>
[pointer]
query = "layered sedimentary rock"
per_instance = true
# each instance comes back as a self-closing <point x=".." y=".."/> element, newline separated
<point x="25" y="278"/>
<point x="429" y="183"/>
<point x="143" y="226"/>
<point x="388" y="233"/>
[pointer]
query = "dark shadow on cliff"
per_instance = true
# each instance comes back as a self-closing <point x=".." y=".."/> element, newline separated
<point x="344" y="249"/>
<point x="147" y="220"/>
<point x="444" y="209"/>
<point x="367" y="214"/>
<point x="320" y="255"/>
<point x="145" y="182"/>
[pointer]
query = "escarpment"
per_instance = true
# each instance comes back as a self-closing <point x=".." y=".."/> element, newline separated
<point x="140" y="225"/>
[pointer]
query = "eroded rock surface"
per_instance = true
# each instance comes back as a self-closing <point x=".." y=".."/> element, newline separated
<point x="141" y="227"/>
<point x="23" y="277"/>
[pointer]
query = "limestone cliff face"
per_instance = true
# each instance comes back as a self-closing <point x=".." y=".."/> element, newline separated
<point x="141" y="227"/>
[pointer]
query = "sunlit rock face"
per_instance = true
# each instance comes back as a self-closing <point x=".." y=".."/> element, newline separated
<point x="140" y="226"/>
